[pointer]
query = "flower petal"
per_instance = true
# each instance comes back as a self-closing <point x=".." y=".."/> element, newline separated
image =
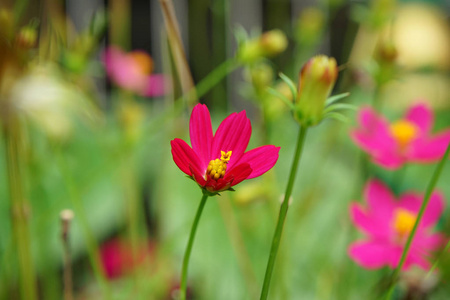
<point x="233" y="134"/>
<point x="374" y="135"/>
<point x="368" y="223"/>
<point x="381" y="200"/>
<point x="373" y="255"/>
<point x="431" y="148"/>
<point x="200" y="131"/>
<point x="260" y="159"/>
<point x="422" y="116"/>
<point x="184" y="157"/>
<point x="433" y="212"/>
<point x="238" y="174"/>
<point x="389" y="161"/>
<point x="155" y="86"/>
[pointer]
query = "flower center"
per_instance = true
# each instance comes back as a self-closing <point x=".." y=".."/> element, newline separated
<point x="403" y="221"/>
<point x="404" y="132"/>
<point x="143" y="61"/>
<point x="217" y="167"/>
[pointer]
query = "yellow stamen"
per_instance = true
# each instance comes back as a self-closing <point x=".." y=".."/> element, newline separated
<point x="403" y="221"/>
<point x="404" y="132"/>
<point x="217" y="167"/>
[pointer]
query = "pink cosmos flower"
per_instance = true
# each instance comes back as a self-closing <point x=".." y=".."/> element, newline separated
<point x="406" y="140"/>
<point x="118" y="259"/>
<point x="219" y="162"/>
<point x="131" y="71"/>
<point x="387" y="223"/>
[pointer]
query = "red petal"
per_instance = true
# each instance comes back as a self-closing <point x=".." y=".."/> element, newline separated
<point x="184" y="156"/>
<point x="233" y="134"/>
<point x="260" y="159"/>
<point x="238" y="174"/>
<point x="197" y="176"/>
<point x="201" y="134"/>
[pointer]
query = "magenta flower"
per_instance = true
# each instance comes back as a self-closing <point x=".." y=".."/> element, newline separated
<point x="387" y="223"/>
<point x="406" y="140"/>
<point x="132" y="71"/>
<point x="219" y="162"/>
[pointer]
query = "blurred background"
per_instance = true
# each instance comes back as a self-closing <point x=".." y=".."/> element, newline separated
<point x="92" y="92"/>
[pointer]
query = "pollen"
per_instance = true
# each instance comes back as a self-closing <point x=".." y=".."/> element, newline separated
<point x="404" y="132"/>
<point x="403" y="222"/>
<point x="217" y="167"/>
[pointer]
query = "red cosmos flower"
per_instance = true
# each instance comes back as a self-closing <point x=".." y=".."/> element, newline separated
<point x="219" y="162"/>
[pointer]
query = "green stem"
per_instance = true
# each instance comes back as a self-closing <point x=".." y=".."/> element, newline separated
<point x="213" y="78"/>
<point x="187" y="254"/>
<point x="447" y="247"/>
<point x="91" y="243"/>
<point x="283" y="211"/>
<point x="426" y="199"/>
<point x="20" y="211"/>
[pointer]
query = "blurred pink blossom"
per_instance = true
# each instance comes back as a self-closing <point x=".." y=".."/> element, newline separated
<point x="132" y="71"/>
<point x="406" y="140"/>
<point x="387" y="222"/>
<point x="118" y="259"/>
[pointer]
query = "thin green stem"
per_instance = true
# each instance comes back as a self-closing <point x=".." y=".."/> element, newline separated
<point x="426" y="199"/>
<point x="91" y="243"/>
<point x="447" y="247"/>
<point x="282" y="215"/>
<point x="20" y="211"/>
<point x="187" y="254"/>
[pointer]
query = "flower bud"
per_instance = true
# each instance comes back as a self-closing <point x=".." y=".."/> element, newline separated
<point x="317" y="79"/>
<point x="261" y="75"/>
<point x="268" y="44"/>
<point x="27" y="37"/>
<point x="273" y="42"/>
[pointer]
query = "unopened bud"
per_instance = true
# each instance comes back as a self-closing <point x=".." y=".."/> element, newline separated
<point x="317" y="79"/>
<point x="27" y="37"/>
<point x="273" y="42"/>
<point x="310" y="25"/>
<point x="261" y="75"/>
<point x="386" y="53"/>
<point x="268" y="44"/>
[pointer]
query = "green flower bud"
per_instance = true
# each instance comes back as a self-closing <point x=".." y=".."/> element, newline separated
<point x="317" y="79"/>
<point x="273" y="42"/>
<point x="27" y="37"/>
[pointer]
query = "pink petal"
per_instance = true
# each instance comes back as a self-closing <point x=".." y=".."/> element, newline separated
<point x="433" y="212"/>
<point x="377" y="228"/>
<point x="200" y="131"/>
<point x="389" y="161"/>
<point x="233" y="134"/>
<point x="422" y="116"/>
<point x="238" y="174"/>
<point x="260" y="159"/>
<point x="184" y="157"/>
<point x="374" y="134"/>
<point x="431" y="148"/>
<point x="373" y="255"/>
<point x="155" y="86"/>
<point x="429" y="242"/>
<point x="381" y="200"/>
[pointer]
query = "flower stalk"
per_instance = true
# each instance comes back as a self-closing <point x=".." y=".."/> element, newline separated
<point x="426" y="199"/>
<point x="20" y="210"/>
<point x="283" y="212"/>
<point x="187" y="253"/>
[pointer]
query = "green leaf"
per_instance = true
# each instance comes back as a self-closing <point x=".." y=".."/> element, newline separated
<point x="340" y="106"/>
<point x="335" y="98"/>
<point x="290" y="83"/>
<point x="337" y="116"/>
<point x="282" y="97"/>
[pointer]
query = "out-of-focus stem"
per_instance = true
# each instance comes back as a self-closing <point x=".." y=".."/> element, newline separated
<point x="283" y="212"/>
<point x="66" y="218"/>
<point x="239" y="247"/>
<point x="187" y="254"/>
<point x="433" y="181"/>
<point x="20" y="210"/>
<point x="91" y="243"/>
